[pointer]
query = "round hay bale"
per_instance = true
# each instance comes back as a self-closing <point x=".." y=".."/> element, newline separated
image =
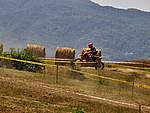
<point x="1" y="47"/>
<point x="36" y="49"/>
<point x="65" y="53"/>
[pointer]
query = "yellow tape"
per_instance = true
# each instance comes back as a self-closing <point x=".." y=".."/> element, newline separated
<point x="142" y="85"/>
<point x="85" y="63"/>
<point x="56" y="59"/>
<point x="64" y="60"/>
<point x="68" y="62"/>
<point x="132" y="67"/>
<point x="52" y="61"/>
<point x="85" y="73"/>
<point x="30" y="62"/>
<point x="112" y="79"/>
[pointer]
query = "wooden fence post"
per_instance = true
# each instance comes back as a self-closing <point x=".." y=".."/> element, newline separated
<point x="57" y="73"/>
<point x="140" y="108"/>
<point x="133" y="86"/>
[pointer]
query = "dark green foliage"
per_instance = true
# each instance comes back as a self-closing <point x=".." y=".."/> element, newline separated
<point x="21" y="55"/>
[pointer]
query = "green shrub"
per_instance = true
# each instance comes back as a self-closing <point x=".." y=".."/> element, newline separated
<point x="22" y="55"/>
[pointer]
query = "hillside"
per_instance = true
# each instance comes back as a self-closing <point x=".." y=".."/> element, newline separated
<point x="122" y="34"/>
<point x="22" y="91"/>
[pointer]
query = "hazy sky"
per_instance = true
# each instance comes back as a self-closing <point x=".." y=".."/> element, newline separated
<point x="138" y="4"/>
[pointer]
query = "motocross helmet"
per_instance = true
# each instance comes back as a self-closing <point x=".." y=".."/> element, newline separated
<point x="90" y="45"/>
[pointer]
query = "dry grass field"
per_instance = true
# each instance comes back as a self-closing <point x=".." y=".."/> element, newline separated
<point x="27" y="92"/>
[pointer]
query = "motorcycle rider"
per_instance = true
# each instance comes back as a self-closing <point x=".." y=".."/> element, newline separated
<point x="92" y="51"/>
<point x="92" y="48"/>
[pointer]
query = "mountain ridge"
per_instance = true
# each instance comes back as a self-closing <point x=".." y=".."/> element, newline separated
<point x="121" y="34"/>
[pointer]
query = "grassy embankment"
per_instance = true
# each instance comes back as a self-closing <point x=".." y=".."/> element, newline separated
<point x="22" y="91"/>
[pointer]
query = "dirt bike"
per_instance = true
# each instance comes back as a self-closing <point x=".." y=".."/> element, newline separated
<point x="87" y="56"/>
